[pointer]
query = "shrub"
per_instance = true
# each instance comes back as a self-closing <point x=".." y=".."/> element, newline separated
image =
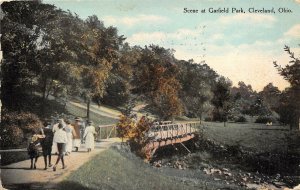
<point x="263" y="119"/>
<point x="240" y="119"/>
<point x="208" y="119"/>
<point x="141" y="130"/>
<point x="16" y="125"/>
<point x="11" y="136"/>
<point x="125" y="127"/>
<point x="136" y="132"/>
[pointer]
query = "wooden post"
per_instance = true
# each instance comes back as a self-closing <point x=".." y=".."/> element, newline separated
<point x="100" y="133"/>
<point x="106" y="132"/>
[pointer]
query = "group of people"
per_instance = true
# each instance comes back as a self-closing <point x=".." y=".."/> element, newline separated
<point x="61" y="138"/>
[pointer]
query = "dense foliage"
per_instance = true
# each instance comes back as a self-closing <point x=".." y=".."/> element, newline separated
<point x="290" y="100"/>
<point x="135" y="131"/>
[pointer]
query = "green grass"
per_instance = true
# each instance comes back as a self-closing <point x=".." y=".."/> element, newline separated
<point x="96" y="118"/>
<point x="110" y="170"/>
<point x="252" y="136"/>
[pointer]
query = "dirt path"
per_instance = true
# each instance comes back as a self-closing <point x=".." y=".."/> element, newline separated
<point x="18" y="175"/>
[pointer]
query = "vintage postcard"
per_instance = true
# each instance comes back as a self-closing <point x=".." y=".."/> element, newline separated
<point x="131" y="94"/>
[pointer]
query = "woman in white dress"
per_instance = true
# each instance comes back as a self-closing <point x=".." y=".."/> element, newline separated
<point x="54" y="129"/>
<point x="69" y="130"/>
<point x="89" y="136"/>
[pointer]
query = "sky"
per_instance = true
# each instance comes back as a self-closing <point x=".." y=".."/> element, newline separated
<point x="241" y="46"/>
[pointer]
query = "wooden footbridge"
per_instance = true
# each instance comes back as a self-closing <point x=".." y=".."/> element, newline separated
<point x="168" y="133"/>
<point x="160" y="134"/>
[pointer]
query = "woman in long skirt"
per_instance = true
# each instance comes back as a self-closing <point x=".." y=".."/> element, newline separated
<point x="69" y="130"/>
<point x="89" y="136"/>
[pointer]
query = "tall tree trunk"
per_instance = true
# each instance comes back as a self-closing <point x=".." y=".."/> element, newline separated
<point x="88" y="109"/>
<point x="44" y="88"/>
<point x="43" y="108"/>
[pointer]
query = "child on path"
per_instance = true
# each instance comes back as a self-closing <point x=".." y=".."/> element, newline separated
<point x="33" y="149"/>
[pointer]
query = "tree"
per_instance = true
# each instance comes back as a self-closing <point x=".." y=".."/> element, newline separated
<point x="285" y="108"/>
<point x="244" y="97"/>
<point x="119" y="83"/>
<point x="271" y="95"/>
<point x="291" y="73"/>
<point x="196" y="80"/>
<point x="222" y="100"/>
<point x="59" y="52"/>
<point x="19" y="48"/>
<point x="41" y="49"/>
<point x="102" y="50"/>
<point x="156" y="80"/>
<point x="259" y="108"/>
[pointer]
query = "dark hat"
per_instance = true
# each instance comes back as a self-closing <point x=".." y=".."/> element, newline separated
<point x="78" y="119"/>
<point x="90" y="122"/>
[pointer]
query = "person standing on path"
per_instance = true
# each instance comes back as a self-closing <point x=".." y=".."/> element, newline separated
<point x="70" y="131"/>
<point x="82" y="129"/>
<point x="76" y="134"/>
<point x="46" y="143"/>
<point x="54" y="129"/>
<point x="60" y="138"/>
<point x="89" y="136"/>
<point x="33" y="150"/>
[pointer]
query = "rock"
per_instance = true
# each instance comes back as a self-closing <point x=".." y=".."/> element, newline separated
<point x="207" y="171"/>
<point x="157" y="164"/>
<point x="279" y="184"/>
<point x="227" y="174"/>
<point x="213" y="170"/>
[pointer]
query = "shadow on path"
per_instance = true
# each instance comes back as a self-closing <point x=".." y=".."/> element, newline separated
<point x="72" y="185"/>
<point x="19" y="168"/>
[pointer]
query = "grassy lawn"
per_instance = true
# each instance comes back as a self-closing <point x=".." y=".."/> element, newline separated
<point x="96" y="118"/>
<point x="113" y="170"/>
<point x="252" y="136"/>
<point x="110" y="170"/>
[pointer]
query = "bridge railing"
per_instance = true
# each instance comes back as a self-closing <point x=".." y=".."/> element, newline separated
<point x="172" y="130"/>
<point x="165" y="130"/>
<point x="105" y="132"/>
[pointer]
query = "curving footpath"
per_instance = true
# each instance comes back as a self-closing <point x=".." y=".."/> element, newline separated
<point x="19" y="176"/>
